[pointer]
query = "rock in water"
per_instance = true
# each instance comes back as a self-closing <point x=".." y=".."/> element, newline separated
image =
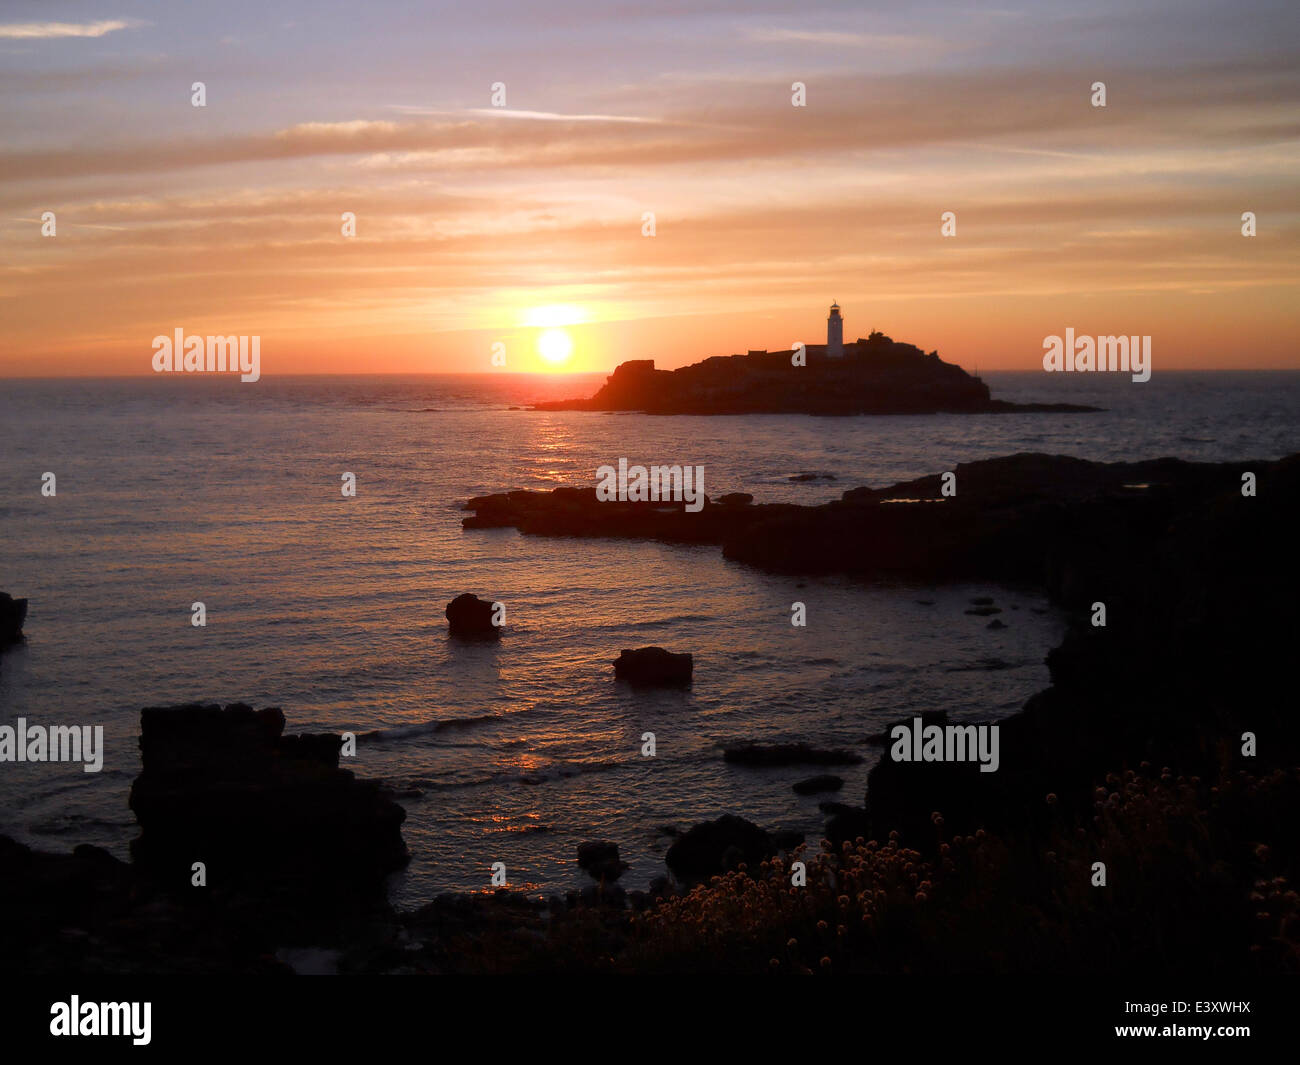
<point x="470" y="618"/>
<point x="268" y="814"/>
<point x="13" y="612"/>
<point x="654" y="666"/>
<point x="599" y="859"/>
<point x="713" y="847"/>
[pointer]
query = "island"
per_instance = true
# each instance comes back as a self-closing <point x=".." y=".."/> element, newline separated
<point x="872" y="375"/>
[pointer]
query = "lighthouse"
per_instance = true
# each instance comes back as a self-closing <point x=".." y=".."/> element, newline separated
<point x="835" y="334"/>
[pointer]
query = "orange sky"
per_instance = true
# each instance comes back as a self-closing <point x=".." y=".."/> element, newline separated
<point x="472" y="219"/>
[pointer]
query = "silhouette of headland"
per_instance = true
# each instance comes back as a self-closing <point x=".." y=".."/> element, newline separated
<point x="875" y="375"/>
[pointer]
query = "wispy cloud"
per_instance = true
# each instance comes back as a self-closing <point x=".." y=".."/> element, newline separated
<point x="539" y="116"/>
<point x="27" y="30"/>
<point x="841" y="38"/>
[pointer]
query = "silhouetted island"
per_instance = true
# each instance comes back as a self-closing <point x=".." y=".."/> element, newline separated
<point x="875" y="375"/>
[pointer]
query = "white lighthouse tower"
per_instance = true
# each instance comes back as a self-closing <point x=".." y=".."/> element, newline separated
<point x="835" y="334"/>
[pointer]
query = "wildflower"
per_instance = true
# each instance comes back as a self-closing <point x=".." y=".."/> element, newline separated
<point x="1051" y="798"/>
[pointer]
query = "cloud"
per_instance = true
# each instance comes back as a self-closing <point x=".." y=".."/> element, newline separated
<point x="844" y="39"/>
<point x="539" y="116"/>
<point x="46" y="30"/>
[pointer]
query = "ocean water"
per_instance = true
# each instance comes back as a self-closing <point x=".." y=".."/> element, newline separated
<point x="175" y="490"/>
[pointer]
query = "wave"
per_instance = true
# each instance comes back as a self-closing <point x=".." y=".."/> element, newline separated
<point x="403" y="732"/>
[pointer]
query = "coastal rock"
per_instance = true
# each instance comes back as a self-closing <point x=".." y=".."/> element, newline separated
<point x="1083" y="529"/>
<point x="599" y="859"/>
<point x="470" y="618"/>
<point x="778" y="754"/>
<point x="815" y="785"/>
<point x="267" y="813"/>
<point x="653" y="666"/>
<point x="847" y="823"/>
<point x="711" y="848"/>
<point x="13" y="612"/>
<point x="735" y="499"/>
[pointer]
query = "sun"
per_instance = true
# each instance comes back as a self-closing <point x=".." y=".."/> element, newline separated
<point x="555" y="346"/>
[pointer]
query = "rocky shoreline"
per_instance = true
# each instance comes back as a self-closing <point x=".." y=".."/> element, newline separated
<point x="1165" y="748"/>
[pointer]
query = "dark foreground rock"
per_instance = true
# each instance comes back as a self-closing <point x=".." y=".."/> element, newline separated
<point x="600" y="860"/>
<point x="267" y="813"/>
<point x="1200" y="586"/>
<point x="876" y="375"/>
<point x="713" y="847"/>
<point x="470" y="618"/>
<point x="13" y="613"/>
<point x="295" y="850"/>
<point x="654" y="667"/>
<point x="1023" y="519"/>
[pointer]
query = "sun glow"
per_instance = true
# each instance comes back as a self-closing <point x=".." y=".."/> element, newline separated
<point x="553" y="316"/>
<point x="555" y="346"/>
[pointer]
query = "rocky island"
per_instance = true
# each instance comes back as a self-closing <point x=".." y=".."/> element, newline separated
<point x="875" y="375"/>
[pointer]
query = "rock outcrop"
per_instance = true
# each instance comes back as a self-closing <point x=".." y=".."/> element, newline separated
<point x="713" y="847"/>
<point x="654" y="667"/>
<point x="268" y="814"/>
<point x="876" y="375"/>
<point x="13" y="613"/>
<point x="470" y="618"/>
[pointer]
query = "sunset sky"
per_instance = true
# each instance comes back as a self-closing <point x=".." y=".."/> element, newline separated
<point x="479" y="224"/>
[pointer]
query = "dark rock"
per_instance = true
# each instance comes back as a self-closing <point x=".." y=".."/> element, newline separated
<point x="757" y="754"/>
<point x="813" y="785"/>
<point x="653" y="666"/>
<point x="786" y="839"/>
<point x="876" y="375"/>
<point x="812" y="477"/>
<point x="13" y="612"/>
<point x="984" y="611"/>
<point x="713" y="847"/>
<point x="982" y="600"/>
<point x="847" y="823"/>
<point x="600" y="860"/>
<point x="996" y="623"/>
<point x="735" y="499"/>
<point x="270" y="814"/>
<point x="470" y="618"/>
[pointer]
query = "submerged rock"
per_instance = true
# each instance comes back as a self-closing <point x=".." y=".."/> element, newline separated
<point x="814" y="785"/>
<point x="653" y="666"/>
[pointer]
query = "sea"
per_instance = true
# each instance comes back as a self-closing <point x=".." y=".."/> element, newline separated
<point x="170" y="491"/>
